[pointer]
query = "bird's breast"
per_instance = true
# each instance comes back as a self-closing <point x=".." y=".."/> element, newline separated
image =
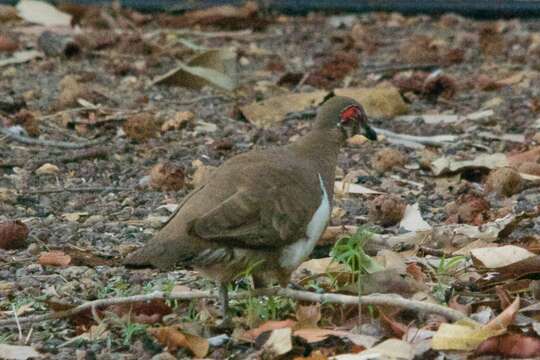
<point x="292" y="255"/>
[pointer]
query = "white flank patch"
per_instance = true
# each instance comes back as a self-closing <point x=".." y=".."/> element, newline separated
<point x="293" y="254"/>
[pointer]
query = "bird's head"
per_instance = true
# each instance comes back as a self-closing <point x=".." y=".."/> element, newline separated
<point x="346" y="115"/>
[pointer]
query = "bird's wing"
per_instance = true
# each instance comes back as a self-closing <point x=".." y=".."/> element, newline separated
<point x="250" y="219"/>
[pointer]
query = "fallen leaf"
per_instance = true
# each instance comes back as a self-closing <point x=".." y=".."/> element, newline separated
<point x="173" y="339"/>
<point x="54" y="258"/>
<point x="389" y="349"/>
<point x="20" y="57"/>
<point x="341" y="187"/>
<point x="47" y="169"/>
<point x="216" y="67"/>
<point x="75" y="216"/>
<point x="511" y="346"/>
<point x="307" y="316"/>
<point x="378" y="102"/>
<point x="279" y="342"/>
<point x="253" y="334"/>
<point x="447" y="165"/>
<point x="495" y="257"/>
<point x="462" y="335"/>
<point x="504" y="319"/>
<point x="16" y="352"/>
<point x="412" y="219"/>
<point x="42" y="13"/>
<point x="315" y="335"/>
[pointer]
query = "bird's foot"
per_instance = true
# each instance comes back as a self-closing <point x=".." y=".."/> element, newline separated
<point x="295" y="286"/>
<point x="226" y="324"/>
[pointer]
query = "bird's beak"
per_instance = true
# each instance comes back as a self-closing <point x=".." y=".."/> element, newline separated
<point x="369" y="133"/>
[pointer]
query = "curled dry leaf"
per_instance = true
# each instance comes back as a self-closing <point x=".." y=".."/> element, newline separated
<point x="54" y="258"/>
<point x="253" y="334"/>
<point x="47" y="169"/>
<point x="511" y="346"/>
<point x="13" y="235"/>
<point x="173" y="339"/>
<point x="141" y="127"/>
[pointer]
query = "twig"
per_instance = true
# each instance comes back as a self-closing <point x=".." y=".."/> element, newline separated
<point x="77" y="190"/>
<point x="373" y="299"/>
<point x="82" y="155"/>
<point x="437" y="140"/>
<point x="61" y="144"/>
<point x="398" y="67"/>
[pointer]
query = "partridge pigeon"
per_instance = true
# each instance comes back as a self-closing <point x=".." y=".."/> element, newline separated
<point x="264" y="209"/>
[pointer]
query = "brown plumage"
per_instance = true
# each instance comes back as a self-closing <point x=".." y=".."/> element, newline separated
<point x="264" y="208"/>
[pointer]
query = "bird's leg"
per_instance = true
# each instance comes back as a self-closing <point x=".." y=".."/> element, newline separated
<point x="224" y="299"/>
<point x="226" y="322"/>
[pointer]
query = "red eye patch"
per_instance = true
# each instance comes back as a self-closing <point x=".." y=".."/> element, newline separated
<point x="351" y="112"/>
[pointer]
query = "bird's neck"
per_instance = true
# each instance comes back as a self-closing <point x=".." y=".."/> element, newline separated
<point x="321" y="147"/>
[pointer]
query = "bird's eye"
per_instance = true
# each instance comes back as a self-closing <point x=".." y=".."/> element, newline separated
<point x="350" y="113"/>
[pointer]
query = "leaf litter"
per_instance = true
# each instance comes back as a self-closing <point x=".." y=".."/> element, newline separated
<point x="176" y="95"/>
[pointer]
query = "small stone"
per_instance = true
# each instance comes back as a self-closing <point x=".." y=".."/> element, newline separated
<point x="33" y="249"/>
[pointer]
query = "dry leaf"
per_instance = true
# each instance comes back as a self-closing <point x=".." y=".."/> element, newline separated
<point x="378" y="102"/>
<point x="47" y="169"/>
<point x="20" y="57"/>
<point x="495" y="257"/>
<point x="412" y="219"/>
<point x="253" y="334"/>
<point x="173" y="339"/>
<point x="54" y="258"/>
<point x="16" y="352"/>
<point x="315" y="335"/>
<point x="341" y="187"/>
<point x="393" y="349"/>
<point x="216" y="67"/>
<point x="511" y="346"/>
<point x="307" y="316"/>
<point x="446" y="165"/>
<point x="42" y="13"/>
<point x="279" y="342"/>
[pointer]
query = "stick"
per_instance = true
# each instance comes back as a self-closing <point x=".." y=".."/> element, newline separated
<point x="76" y="190"/>
<point x="61" y="144"/>
<point x="437" y="140"/>
<point x="373" y="299"/>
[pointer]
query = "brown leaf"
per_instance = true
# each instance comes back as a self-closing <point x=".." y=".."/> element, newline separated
<point x="504" y="319"/>
<point x="251" y="335"/>
<point x="456" y="305"/>
<point x="13" y="235"/>
<point x="308" y="316"/>
<point x="149" y="312"/>
<point x="315" y="335"/>
<point x="398" y="328"/>
<point x="511" y="346"/>
<point x="54" y="258"/>
<point x="173" y="339"/>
